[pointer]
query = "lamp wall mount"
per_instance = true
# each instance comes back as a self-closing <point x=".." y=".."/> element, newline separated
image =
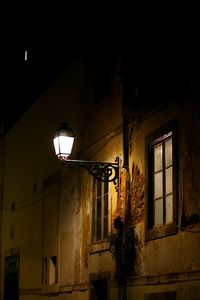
<point x="102" y="171"/>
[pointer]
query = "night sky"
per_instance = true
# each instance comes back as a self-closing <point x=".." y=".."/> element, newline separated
<point x="52" y="39"/>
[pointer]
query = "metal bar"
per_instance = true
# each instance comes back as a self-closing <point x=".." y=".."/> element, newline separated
<point x="91" y="162"/>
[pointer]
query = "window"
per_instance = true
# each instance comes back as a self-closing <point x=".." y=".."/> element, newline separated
<point x="49" y="270"/>
<point x="161" y="182"/>
<point x="53" y="270"/>
<point x="100" y="211"/>
<point x="44" y="271"/>
<point x="99" y="289"/>
<point x="11" y="277"/>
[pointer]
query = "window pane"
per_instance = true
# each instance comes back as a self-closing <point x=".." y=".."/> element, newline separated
<point x="158" y="212"/>
<point x="169" y="209"/>
<point x="98" y="188"/>
<point x="158" y="185"/>
<point x="100" y="211"/>
<point x="105" y="223"/>
<point x="98" y="238"/>
<point x="52" y="270"/>
<point x="105" y="187"/>
<point x="168" y="152"/>
<point x="44" y="273"/>
<point x="105" y="227"/>
<point x="158" y="158"/>
<point x="106" y="205"/>
<point x="168" y="180"/>
<point x="99" y="208"/>
<point x="93" y="218"/>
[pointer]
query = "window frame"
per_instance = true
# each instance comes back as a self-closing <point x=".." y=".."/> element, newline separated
<point x="158" y="231"/>
<point x="48" y="272"/>
<point x="103" y="196"/>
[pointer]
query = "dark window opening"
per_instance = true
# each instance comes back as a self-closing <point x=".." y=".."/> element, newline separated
<point x="11" y="278"/>
<point x="99" y="289"/>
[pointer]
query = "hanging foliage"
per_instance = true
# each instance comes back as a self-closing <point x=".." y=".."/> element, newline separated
<point x="122" y="245"/>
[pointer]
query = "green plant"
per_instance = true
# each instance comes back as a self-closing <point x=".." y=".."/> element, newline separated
<point x="116" y="245"/>
<point x="123" y="248"/>
<point x="129" y="248"/>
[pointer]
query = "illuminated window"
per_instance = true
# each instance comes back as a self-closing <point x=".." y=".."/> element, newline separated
<point x="100" y="211"/>
<point x="26" y="55"/>
<point x="161" y="182"/>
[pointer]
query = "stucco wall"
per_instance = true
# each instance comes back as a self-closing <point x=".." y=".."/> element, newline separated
<point x="47" y="207"/>
<point x="179" y="253"/>
<point x="29" y="161"/>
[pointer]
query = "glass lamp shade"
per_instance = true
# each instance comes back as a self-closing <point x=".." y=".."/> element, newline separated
<point x="63" y="142"/>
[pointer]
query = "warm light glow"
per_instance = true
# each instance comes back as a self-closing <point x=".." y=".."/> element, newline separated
<point x="63" y="145"/>
<point x="103" y="171"/>
<point x="26" y="55"/>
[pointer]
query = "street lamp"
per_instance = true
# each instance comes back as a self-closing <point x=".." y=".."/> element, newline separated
<point x="104" y="171"/>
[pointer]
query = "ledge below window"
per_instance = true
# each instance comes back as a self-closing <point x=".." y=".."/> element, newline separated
<point x="161" y="231"/>
<point x="100" y="247"/>
<point x="50" y="289"/>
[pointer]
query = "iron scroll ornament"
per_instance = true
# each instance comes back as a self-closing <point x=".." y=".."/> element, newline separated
<point x="102" y="171"/>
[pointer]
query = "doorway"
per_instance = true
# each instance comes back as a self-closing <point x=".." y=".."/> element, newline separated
<point x="99" y="289"/>
<point x="11" y="278"/>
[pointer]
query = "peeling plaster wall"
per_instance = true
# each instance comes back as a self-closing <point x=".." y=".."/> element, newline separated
<point x="137" y="195"/>
<point x="99" y="128"/>
<point x="180" y="252"/>
<point x="97" y="258"/>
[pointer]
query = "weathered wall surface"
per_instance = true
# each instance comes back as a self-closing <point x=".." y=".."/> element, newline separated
<point x="47" y="209"/>
<point x="191" y="159"/>
<point x="179" y="253"/>
<point x="39" y="206"/>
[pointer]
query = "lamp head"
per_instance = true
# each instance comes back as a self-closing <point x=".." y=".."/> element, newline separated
<point x="63" y="141"/>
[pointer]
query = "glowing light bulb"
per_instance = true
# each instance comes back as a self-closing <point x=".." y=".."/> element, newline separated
<point x="26" y="55"/>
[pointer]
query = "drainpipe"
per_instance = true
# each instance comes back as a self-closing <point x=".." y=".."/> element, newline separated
<point x="122" y="276"/>
<point x="126" y="87"/>
<point x="125" y="143"/>
<point x="126" y="199"/>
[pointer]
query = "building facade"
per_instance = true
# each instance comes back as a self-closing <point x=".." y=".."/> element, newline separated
<point x="66" y="235"/>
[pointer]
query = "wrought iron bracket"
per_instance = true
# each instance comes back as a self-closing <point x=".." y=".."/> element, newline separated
<point x="103" y="171"/>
